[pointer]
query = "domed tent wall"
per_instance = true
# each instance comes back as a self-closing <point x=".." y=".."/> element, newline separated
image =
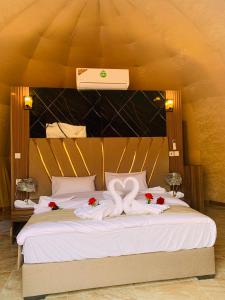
<point x="166" y="45"/>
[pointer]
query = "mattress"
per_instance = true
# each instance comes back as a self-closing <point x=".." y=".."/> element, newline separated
<point x="184" y="229"/>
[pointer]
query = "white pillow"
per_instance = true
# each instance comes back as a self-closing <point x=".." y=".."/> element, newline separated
<point x="62" y="130"/>
<point x="66" y="185"/>
<point x="140" y="176"/>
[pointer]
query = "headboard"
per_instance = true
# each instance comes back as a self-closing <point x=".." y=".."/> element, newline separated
<point x="89" y="156"/>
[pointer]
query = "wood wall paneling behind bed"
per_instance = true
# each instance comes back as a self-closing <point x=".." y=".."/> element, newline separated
<point x="89" y="156"/>
<point x="20" y="136"/>
<point x="175" y="132"/>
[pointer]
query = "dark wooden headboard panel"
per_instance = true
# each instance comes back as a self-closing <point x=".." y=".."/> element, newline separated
<point x="89" y="156"/>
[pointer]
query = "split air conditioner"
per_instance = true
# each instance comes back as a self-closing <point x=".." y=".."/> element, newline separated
<point x="102" y="79"/>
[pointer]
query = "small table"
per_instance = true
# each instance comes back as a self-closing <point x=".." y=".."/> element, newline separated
<point x="19" y="217"/>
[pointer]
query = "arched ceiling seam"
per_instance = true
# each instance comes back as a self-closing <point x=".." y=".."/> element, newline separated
<point x="42" y="34"/>
<point x="100" y="33"/>
<point x="67" y="56"/>
<point x="17" y="14"/>
<point x="115" y="8"/>
<point x="196" y="28"/>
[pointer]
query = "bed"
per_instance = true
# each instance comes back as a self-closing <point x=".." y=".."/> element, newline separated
<point x="127" y="252"/>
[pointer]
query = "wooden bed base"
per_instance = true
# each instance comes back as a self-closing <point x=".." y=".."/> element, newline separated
<point x="49" y="278"/>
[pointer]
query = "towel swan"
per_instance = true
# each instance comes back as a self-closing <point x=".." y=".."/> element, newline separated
<point x="134" y="207"/>
<point x="110" y="207"/>
<point x="118" y="203"/>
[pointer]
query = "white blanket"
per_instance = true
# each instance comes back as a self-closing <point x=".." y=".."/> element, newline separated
<point x="60" y="240"/>
<point x="110" y="224"/>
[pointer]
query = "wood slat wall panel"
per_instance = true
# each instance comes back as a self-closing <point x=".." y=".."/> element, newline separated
<point x="19" y="134"/>
<point x="174" y="131"/>
<point x="99" y="155"/>
<point x="194" y="186"/>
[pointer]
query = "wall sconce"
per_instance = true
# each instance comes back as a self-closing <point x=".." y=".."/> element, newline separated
<point x="169" y="105"/>
<point x="28" y="102"/>
<point x="159" y="101"/>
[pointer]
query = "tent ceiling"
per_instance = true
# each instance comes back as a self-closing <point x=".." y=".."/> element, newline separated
<point x="165" y="43"/>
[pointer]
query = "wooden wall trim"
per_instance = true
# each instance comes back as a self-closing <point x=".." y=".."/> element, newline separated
<point x="194" y="186"/>
<point x="214" y="203"/>
<point x="19" y="134"/>
<point x="175" y="132"/>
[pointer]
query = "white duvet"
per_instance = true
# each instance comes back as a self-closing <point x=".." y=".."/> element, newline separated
<point x="122" y="235"/>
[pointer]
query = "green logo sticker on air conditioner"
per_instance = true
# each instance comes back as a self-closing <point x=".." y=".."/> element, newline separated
<point x="103" y="74"/>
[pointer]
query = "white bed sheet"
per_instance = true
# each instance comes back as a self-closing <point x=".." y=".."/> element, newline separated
<point x="128" y="235"/>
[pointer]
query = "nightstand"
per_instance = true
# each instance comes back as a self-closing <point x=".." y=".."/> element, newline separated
<point x="19" y="217"/>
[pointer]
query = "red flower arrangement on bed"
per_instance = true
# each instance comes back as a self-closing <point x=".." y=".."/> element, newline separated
<point x="92" y="201"/>
<point x="53" y="205"/>
<point x="148" y="197"/>
<point x="160" y="200"/>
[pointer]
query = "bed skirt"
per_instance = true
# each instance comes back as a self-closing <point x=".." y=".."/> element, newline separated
<point x="50" y="278"/>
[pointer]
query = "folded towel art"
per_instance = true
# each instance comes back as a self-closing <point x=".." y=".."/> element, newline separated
<point x="112" y="206"/>
<point x="118" y="205"/>
<point x="98" y="205"/>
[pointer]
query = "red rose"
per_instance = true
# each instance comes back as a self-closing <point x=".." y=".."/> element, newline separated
<point x="160" y="200"/>
<point x="148" y="197"/>
<point x="52" y="204"/>
<point x="92" y="201"/>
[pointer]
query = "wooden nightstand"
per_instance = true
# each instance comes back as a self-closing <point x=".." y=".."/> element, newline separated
<point x="19" y="217"/>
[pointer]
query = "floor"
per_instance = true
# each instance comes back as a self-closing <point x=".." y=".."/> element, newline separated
<point x="10" y="278"/>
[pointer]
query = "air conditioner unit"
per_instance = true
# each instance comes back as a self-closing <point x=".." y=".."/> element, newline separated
<point x="102" y="79"/>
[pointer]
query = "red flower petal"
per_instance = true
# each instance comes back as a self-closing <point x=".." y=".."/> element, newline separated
<point x="91" y="201"/>
<point x="52" y="204"/>
<point x="148" y="196"/>
<point x="160" y="200"/>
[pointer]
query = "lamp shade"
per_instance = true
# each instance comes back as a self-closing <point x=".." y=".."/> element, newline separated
<point x="28" y="102"/>
<point x="26" y="185"/>
<point x="173" y="179"/>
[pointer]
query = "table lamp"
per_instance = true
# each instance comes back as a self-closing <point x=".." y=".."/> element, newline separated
<point x="26" y="185"/>
<point x="174" y="180"/>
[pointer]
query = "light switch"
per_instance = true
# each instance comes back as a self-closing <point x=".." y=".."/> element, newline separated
<point x="176" y="153"/>
<point x="17" y="155"/>
<point x="171" y="153"/>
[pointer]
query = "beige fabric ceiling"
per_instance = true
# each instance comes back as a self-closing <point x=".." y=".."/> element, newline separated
<point x="166" y="44"/>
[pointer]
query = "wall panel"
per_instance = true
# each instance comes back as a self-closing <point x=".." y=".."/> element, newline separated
<point x="99" y="155"/>
<point x="65" y="157"/>
<point x="174" y="131"/>
<point x="19" y="122"/>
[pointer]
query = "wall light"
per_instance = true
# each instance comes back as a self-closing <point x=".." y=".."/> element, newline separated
<point x="159" y="101"/>
<point x="28" y="102"/>
<point x="169" y="104"/>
